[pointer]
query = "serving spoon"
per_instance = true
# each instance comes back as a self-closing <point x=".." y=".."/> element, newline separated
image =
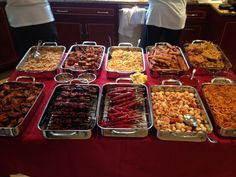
<point x="139" y="41"/>
<point x="193" y="73"/>
<point x="36" y="54"/>
<point x="192" y="121"/>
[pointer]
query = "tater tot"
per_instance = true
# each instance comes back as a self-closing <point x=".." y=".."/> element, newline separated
<point x="173" y="106"/>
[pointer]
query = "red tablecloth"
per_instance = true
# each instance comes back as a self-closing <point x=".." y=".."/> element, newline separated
<point x="100" y="156"/>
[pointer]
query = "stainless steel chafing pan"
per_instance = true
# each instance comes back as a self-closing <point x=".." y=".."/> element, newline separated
<point x="219" y="96"/>
<point x="84" y="57"/>
<point x="44" y="66"/>
<point x="126" y="47"/>
<point x="152" y="62"/>
<point x="169" y="122"/>
<point x="201" y="70"/>
<point x="110" y="127"/>
<point x="71" y="112"/>
<point x="18" y="102"/>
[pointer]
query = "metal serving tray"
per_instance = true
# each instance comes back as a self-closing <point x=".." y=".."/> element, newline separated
<point x="155" y="73"/>
<point x="60" y="123"/>
<point x="125" y="47"/>
<point x="79" y="47"/>
<point x="220" y="81"/>
<point x="192" y="136"/>
<point x="41" y="73"/>
<point x="143" y="108"/>
<point x="212" y="70"/>
<point x="14" y="86"/>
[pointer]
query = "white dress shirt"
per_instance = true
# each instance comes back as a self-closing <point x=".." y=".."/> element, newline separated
<point x="28" y="12"/>
<point x="169" y="14"/>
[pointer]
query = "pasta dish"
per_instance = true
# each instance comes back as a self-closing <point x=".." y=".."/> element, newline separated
<point x="222" y="102"/>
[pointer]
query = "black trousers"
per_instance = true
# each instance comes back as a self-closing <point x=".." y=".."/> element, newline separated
<point x="26" y="37"/>
<point x="158" y="34"/>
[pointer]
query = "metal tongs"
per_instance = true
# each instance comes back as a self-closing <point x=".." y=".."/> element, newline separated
<point x="192" y="121"/>
<point x="36" y="54"/>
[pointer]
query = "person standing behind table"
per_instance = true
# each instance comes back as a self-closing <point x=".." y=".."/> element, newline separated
<point x="30" y="21"/>
<point x="165" y="21"/>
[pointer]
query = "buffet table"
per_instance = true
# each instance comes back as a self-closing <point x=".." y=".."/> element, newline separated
<point x="33" y="155"/>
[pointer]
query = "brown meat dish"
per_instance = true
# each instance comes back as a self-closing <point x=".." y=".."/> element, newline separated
<point x="15" y="101"/>
<point x="72" y="108"/>
<point x="166" y="57"/>
<point x="84" y="57"/>
<point x="205" y="55"/>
